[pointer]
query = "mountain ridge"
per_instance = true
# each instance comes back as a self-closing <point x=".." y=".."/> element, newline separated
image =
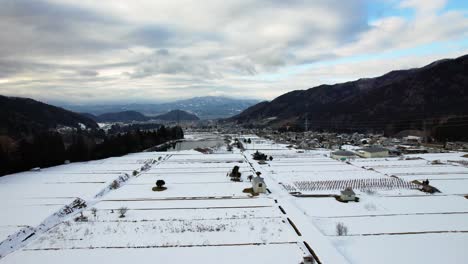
<point x="205" y="107"/>
<point x="435" y="93"/>
<point x="23" y="116"/>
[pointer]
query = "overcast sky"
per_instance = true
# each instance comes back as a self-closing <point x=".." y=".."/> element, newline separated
<point x="89" y="51"/>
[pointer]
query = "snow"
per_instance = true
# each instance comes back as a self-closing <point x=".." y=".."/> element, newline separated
<point x="425" y="248"/>
<point x="188" y="232"/>
<point x="271" y="253"/>
<point x="203" y="217"/>
<point x="388" y="224"/>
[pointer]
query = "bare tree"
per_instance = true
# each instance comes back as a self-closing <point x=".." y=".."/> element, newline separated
<point x="341" y="229"/>
<point x="94" y="211"/>
<point x="122" y="211"/>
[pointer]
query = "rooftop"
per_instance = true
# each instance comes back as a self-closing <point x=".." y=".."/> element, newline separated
<point x="343" y="153"/>
<point x="373" y="149"/>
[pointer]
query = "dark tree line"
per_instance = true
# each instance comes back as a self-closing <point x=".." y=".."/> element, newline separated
<point x="46" y="149"/>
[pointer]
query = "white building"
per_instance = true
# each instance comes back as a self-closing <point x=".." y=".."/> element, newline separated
<point x="258" y="185"/>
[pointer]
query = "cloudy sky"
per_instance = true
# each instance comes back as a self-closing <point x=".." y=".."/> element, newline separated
<point x="88" y="51"/>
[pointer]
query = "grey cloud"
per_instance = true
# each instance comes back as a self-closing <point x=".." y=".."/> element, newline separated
<point x="44" y="28"/>
<point x="82" y="47"/>
<point x="152" y="35"/>
<point x="164" y="62"/>
<point x="88" y="73"/>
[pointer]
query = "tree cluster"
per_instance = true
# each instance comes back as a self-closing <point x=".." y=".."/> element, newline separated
<point x="50" y="148"/>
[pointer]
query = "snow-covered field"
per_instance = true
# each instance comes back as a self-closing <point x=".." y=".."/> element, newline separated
<point x="386" y="226"/>
<point x="203" y="217"/>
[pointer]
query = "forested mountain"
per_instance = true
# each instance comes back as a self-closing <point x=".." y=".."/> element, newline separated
<point x="131" y="116"/>
<point x="432" y="98"/>
<point x="125" y="116"/>
<point x="34" y="134"/>
<point x="23" y="116"/>
<point x="177" y="115"/>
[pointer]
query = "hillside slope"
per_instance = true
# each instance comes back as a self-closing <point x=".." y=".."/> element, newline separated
<point x="432" y="97"/>
<point x="23" y="116"/>
<point x="125" y="116"/>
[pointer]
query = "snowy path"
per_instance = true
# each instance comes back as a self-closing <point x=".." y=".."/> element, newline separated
<point x="321" y="245"/>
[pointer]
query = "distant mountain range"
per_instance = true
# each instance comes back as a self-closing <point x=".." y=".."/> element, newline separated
<point x="208" y="107"/>
<point x="177" y="115"/>
<point x="432" y="98"/>
<point x="130" y="116"/>
<point x="23" y="116"/>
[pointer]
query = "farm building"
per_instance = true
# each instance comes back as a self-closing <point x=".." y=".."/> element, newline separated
<point x="258" y="185"/>
<point x="373" y="152"/>
<point x="342" y="155"/>
<point x="348" y="195"/>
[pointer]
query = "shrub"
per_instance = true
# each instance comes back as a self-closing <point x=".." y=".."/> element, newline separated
<point x="115" y="185"/>
<point x="94" y="211"/>
<point x="135" y="173"/>
<point x="160" y="183"/>
<point x="122" y="211"/>
<point x="235" y="174"/>
<point x="81" y="218"/>
<point x="341" y="229"/>
<point x="259" y="156"/>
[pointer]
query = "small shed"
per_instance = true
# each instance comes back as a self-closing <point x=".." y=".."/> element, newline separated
<point x="348" y="195"/>
<point x="258" y="185"/>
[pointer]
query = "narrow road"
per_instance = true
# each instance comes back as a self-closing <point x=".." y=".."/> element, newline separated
<point x="320" y="244"/>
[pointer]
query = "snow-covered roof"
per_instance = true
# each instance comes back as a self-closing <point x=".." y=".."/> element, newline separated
<point x="373" y="149"/>
<point x="343" y="153"/>
<point x="348" y="191"/>
<point x="257" y="180"/>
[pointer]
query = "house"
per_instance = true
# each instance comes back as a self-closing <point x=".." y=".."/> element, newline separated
<point x="413" y="139"/>
<point x="373" y="152"/>
<point x="348" y="195"/>
<point x="342" y="155"/>
<point x="258" y="185"/>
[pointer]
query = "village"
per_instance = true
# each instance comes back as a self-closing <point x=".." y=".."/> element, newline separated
<point x="253" y="199"/>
